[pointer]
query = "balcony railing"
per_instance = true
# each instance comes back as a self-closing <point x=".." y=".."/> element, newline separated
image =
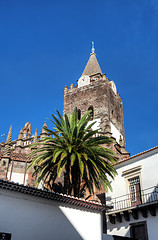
<point x="146" y="196"/>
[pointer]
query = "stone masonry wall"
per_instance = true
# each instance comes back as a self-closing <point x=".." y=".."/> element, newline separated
<point x="107" y="106"/>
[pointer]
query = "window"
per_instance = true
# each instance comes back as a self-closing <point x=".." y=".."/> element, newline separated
<point x="92" y="112"/>
<point x="133" y="180"/>
<point x="4" y="163"/>
<point x="5" y="236"/>
<point x="79" y="114"/>
<point x="135" y="191"/>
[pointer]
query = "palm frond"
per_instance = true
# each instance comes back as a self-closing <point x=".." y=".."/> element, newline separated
<point x="76" y="153"/>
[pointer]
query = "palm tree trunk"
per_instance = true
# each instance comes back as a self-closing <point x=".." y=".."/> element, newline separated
<point x="76" y="180"/>
<point x="67" y="183"/>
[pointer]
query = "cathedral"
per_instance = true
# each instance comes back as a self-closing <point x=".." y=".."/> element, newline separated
<point x="95" y="92"/>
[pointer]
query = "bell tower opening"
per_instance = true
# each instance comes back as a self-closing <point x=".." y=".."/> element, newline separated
<point x="79" y="114"/>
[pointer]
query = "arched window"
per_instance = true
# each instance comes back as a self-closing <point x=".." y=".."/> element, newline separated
<point x="27" y="130"/>
<point x="92" y="112"/>
<point x="79" y="114"/>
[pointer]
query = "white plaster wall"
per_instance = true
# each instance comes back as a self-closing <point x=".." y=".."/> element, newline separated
<point x="115" y="132"/>
<point x="80" y="219"/>
<point x="18" y="177"/>
<point x="29" y="218"/>
<point x="149" y="176"/>
<point x="96" y="125"/>
<point x="123" y="229"/>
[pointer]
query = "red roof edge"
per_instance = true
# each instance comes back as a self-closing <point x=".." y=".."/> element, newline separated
<point x="139" y="154"/>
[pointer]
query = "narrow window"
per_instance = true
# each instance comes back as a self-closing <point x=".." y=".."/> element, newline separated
<point x="92" y="112"/>
<point x="79" y="114"/>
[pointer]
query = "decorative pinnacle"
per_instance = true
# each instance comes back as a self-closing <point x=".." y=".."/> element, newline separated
<point x="9" y="138"/>
<point x="93" y="49"/>
<point x="44" y="126"/>
<point x="20" y="134"/>
<point x="7" y="148"/>
<point x="35" y="137"/>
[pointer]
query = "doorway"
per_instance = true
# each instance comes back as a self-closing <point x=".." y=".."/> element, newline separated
<point x="139" y="231"/>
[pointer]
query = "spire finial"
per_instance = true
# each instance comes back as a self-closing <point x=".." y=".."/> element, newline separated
<point x="93" y="49"/>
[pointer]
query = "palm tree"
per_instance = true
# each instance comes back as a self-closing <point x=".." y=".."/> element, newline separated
<point x="75" y="153"/>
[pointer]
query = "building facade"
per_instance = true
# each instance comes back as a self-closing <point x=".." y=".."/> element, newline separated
<point x="14" y="155"/>
<point x="135" y="197"/>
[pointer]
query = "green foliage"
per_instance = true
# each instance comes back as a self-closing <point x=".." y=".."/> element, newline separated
<point x="76" y="154"/>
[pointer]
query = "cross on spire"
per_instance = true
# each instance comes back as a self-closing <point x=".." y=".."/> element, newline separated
<point x="93" y="49"/>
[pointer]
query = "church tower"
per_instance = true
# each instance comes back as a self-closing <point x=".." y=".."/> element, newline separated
<point x="94" y="91"/>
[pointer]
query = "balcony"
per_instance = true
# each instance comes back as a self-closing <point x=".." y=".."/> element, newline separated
<point x="144" y="201"/>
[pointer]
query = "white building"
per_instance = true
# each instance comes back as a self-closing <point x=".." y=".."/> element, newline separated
<point x="28" y="213"/>
<point x="135" y="197"/>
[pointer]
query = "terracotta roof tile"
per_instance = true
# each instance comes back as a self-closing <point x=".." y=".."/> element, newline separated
<point x="17" y="156"/>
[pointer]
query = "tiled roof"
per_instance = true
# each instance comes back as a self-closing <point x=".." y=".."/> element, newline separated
<point x="11" y="186"/>
<point x="139" y="154"/>
<point x="18" y="156"/>
<point x="23" y="157"/>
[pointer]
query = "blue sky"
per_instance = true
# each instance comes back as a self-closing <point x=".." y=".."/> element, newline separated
<point x="45" y="45"/>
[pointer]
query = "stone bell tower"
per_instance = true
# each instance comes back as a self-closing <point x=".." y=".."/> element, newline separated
<point x="94" y="91"/>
